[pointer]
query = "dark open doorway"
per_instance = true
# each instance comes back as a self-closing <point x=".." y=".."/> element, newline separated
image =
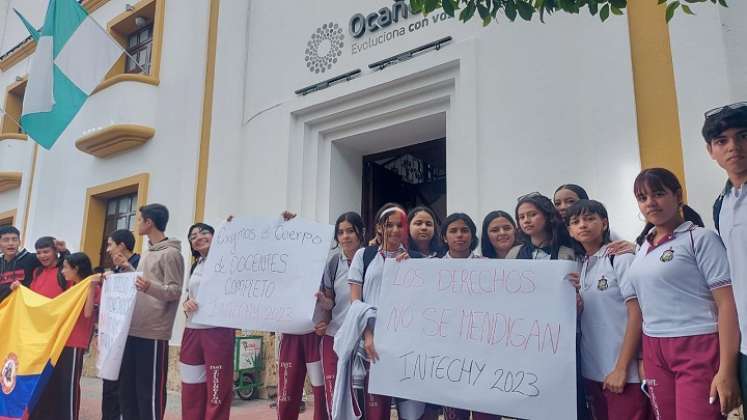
<point x="412" y="176"/>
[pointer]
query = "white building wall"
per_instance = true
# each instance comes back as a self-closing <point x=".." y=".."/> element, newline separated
<point x="709" y="52"/>
<point x="15" y="32"/>
<point x="16" y="156"/>
<point x="554" y="104"/>
<point x="8" y="200"/>
<point x="4" y="9"/>
<point x="173" y="109"/>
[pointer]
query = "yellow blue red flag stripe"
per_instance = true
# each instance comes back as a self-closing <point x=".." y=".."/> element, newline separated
<point x="34" y="332"/>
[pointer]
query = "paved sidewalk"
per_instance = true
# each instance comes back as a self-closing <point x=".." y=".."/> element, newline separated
<point x="240" y="409"/>
<point x="90" y="402"/>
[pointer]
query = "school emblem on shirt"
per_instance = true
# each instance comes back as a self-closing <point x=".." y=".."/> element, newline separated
<point x="8" y="373"/>
<point x="667" y="256"/>
<point x="603" y="284"/>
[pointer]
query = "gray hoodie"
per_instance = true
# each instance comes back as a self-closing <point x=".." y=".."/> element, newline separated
<point x="155" y="308"/>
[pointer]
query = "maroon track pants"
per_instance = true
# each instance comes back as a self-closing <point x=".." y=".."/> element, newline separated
<point x="299" y="355"/>
<point x="207" y="373"/>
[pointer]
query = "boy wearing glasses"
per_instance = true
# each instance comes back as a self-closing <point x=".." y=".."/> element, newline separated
<point x="725" y="133"/>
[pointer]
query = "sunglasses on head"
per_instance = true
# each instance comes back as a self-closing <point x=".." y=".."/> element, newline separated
<point x="732" y="107"/>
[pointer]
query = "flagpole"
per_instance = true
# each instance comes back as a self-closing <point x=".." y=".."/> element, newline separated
<point x="124" y="50"/>
<point x="142" y="69"/>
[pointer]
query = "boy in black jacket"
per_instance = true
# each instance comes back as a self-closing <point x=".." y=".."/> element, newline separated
<point x="16" y="264"/>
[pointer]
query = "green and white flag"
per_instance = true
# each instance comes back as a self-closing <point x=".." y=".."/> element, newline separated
<point x="73" y="55"/>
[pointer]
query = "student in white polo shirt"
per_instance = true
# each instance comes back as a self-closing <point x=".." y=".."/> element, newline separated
<point x="334" y="296"/>
<point x="725" y="132"/>
<point x="365" y="278"/>
<point x="459" y="233"/>
<point x="680" y="277"/>
<point x="610" y="327"/>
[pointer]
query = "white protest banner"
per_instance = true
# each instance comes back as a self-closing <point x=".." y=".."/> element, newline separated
<point x="261" y="274"/>
<point x="115" y="313"/>
<point x="492" y="336"/>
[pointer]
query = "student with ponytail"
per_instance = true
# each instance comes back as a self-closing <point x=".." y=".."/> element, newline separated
<point x="680" y="277"/>
<point x="333" y="299"/>
<point x="610" y="327"/>
<point x="354" y="343"/>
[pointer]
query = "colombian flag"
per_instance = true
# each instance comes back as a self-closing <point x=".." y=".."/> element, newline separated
<point x="34" y="330"/>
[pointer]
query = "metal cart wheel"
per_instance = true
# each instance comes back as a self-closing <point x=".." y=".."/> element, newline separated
<point x="249" y="389"/>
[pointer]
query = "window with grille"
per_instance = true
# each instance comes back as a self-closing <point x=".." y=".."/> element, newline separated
<point x="120" y="214"/>
<point x="13" y="108"/>
<point x="139" y="47"/>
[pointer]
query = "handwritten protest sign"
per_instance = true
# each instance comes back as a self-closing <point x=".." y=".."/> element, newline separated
<point x="115" y="313"/>
<point x="493" y="336"/>
<point x="261" y="274"/>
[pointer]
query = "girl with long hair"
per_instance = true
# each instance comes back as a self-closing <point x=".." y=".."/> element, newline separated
<point x="334" y="297"/>
<point x="459" y="233"/>
<point x="542" y="233"/>
<point x="206" y="356"/>
<point x="425" y="241"/>
<point x="681" y="279"/>
<point x="498" y="234"/>
<point x="567" y="195"/>
<point x="610" y="327"/>
<point x="365" y="278"/>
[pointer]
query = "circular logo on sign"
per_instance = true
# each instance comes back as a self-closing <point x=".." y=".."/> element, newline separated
<point x="324" y="47"/>
<point x="8" y="374"/>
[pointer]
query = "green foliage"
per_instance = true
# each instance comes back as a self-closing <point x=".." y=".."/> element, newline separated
<point x="494" y="10"/>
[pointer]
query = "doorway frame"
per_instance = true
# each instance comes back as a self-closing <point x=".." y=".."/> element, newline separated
<point x="368" y="214"/>
<point x="443" y="81"/>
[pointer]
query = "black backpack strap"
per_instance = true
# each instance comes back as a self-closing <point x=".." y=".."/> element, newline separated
<point x="369" y="253"/>
<point x="333" y="272"/>
<point x="717" y="211"/>
<point x="331" y="268"/>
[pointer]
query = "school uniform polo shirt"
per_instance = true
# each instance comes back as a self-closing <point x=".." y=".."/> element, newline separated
<point x="193" y="287"/>
<point x="733" y="230"/>
<point x="372" y="284"/>
<point x="342" y="293"/>
<point x="673" y="282"/>
<point x="605" y="315"/>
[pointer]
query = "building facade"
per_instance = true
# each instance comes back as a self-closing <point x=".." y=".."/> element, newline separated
<point x="221" y="108"/>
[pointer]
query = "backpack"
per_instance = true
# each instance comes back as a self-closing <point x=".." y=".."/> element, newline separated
<point x="369" y="253"/>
